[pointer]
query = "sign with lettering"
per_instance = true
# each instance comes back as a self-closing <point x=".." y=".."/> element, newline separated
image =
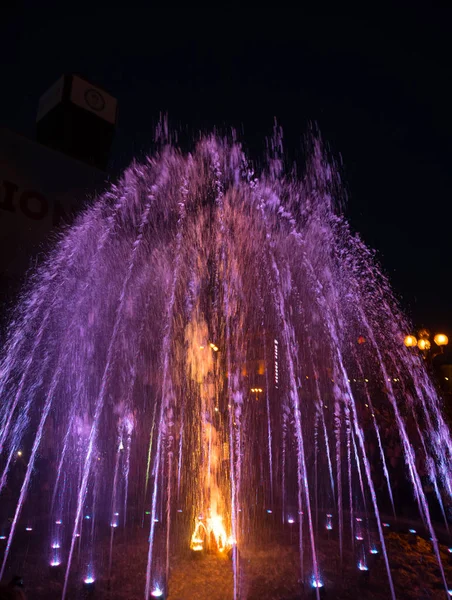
<point x="40" y="189"/>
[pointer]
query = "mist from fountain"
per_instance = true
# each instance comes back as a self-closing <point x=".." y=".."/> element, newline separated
<point x="135" y="346"/>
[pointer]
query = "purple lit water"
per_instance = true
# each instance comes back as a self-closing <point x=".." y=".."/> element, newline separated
<point x="103" y="364"/>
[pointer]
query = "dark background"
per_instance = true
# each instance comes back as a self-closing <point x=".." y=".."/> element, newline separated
<point x="378" y="87"/>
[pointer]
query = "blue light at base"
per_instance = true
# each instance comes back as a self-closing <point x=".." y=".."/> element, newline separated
<point x="87" y="517"/>
<point x="316" y="583"/>
<point x="374" y="550"/>
<point x="55" y="563"/>
<point x="89" y="580"/>
<point x="157" y="593"/>
<point x="449" y="549"/>
<point x="269" y="511"/>
<point x="362" y="566"/>
<point x="412" y="530"/>
<point x="2" y="537"/>
<point x="28" y="528"/>
<point x="291" y="521"/>
<point x="329" y="522"/>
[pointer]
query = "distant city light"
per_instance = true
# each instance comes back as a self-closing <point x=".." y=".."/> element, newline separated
<point x="19" y="453"/>
<point x="276" y="365"/>
<point x="59" y="522"/>
<point x="28" y="528"/>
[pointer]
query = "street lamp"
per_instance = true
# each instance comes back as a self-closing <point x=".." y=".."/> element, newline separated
<point x="410" y="341"/>
<point x="441" y="339"/>
<point x="423" y="343"/>
<point x="257" y="391"/>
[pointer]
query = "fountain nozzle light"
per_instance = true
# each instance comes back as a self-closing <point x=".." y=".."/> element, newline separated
<point x="317" y="588"/>
<point x="89" y="583"/>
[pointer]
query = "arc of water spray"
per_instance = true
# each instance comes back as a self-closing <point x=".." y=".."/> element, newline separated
<point x="163" y="403"/>
<point x="103" y="388"/>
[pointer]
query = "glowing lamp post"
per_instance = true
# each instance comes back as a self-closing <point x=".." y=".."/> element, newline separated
<point x="423" y="343"/>
<point x="256" y="391"/>
<point x="441" y="339"/>
<point x="410" y="341"/>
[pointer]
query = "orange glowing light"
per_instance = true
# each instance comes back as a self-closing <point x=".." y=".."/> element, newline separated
<point x="423" y="344"/>
<point x="410" y="341"/>
<point x="211" y="530"/>
<point x="361" y="339"/>
<point x="441" y="339"/>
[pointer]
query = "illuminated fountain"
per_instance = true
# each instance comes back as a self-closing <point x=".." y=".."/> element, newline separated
<point x="210" y="530"/>
<point x="211" y="353"/>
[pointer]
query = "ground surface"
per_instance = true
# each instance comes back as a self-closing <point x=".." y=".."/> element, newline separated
<point x="268" y="572"/>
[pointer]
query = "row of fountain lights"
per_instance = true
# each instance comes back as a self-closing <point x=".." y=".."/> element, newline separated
<point x="363" y="567"/>
<point x="89" y="580"/>
<point x="316" y="583"/>
<point x="422" y="343"/>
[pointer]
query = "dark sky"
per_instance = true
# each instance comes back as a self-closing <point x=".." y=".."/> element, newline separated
<point x="379" y="89"/>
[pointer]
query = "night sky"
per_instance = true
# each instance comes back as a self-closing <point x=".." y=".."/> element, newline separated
<point x="379" y="89"/>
